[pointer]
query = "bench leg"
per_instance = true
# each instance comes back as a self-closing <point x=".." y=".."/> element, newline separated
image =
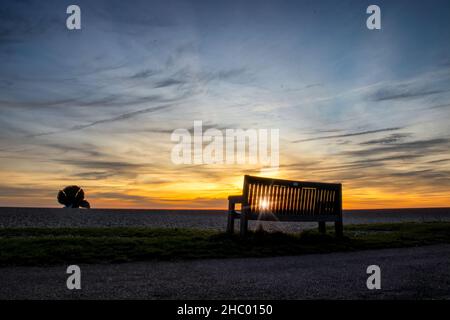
<point x="322" y="227"/>
<point x="244" y="224"/>
<point x="230" y="224"/>
<point x="339" y="228"/>
<point x="231" y="216"/>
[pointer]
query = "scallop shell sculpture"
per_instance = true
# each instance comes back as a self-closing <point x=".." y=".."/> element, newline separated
<point x="72" y="197"/>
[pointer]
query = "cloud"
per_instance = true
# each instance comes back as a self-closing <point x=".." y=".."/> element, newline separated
<point x="117" y="100"/>
<point x="441" y="106"/>
<point x="94" y="175"/>
<point x="121" y="117"/>
<point x="439" y="161"/>
<point x="168" y="83"/>
<point x="19" y="191"/>
<point x="36" y="104"/>
<point x="185" y="75"/>
<point x="226" y="74"/>
<point x="388" y="139"/>
<point x="388" y="162"/>
<point x="118" y="195"/>
<point x="345" y="165"/>
<point x="147" y="73"/>
<point x="102" y="169"/>
<point x="361" y="133"/>
<point x="396" y="95"/>
<point x="427" y="173"/>
<point x="111" y="100"/>
<point x="168" y="130"/>
<point x="99" y="164"/>
<point x="419" y="87"/>
<point x="88" y="150"/>
<point x="419" y="146"/>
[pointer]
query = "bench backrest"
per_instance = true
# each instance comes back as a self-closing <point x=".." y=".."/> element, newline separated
<point x="286" y="197"/>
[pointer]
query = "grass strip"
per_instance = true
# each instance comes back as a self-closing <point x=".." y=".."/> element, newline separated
<point x="50" y="246"/>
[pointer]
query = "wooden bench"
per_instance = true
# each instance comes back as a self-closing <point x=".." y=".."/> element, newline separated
<point x="269" y="199"/>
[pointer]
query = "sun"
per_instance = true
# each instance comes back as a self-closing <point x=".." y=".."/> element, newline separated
<point x="264" y="204"/>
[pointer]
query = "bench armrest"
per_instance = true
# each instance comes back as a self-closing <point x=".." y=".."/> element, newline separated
<point x="235" y="199"/>
<point x="232" y="201"/>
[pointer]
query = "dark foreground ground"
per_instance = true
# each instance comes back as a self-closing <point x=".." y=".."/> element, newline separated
<point x="407" y="273"/>
<point x="416" y="271"/>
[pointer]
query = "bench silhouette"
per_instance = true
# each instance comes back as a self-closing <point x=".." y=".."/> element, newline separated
<point x="269" y="199"/>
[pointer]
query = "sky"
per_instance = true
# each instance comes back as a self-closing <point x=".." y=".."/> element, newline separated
<point x="96" y="107"/>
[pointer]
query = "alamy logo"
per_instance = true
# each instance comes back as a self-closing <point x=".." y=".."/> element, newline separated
<point x="74" y="280"/>
<point x="374" y="20"/>
<point x="374" y="280"/>
<point x="73" y="21"/>
<point x="229" y="146"/>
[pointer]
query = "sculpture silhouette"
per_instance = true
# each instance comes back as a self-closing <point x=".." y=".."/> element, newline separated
<point x="72" y="197"/>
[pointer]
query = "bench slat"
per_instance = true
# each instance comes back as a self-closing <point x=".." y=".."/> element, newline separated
<point x="287" y="197"/>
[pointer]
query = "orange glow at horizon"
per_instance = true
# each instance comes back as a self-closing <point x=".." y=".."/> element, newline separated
<point x="194" y="194"/>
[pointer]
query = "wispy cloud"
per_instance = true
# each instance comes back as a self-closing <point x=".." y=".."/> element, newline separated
<point x="396" y="137"/>
<point x="168" y="83"/>
<point x="143" y="74"/>
<point x="121" y="117"/>
<point x="403" y="93"/>
<point x="353" y="134"/>
<point x="422" y="147"/>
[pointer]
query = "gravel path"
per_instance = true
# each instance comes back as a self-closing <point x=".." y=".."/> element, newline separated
<point x="408" y="273"/>
<point x="207" y="219"/>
